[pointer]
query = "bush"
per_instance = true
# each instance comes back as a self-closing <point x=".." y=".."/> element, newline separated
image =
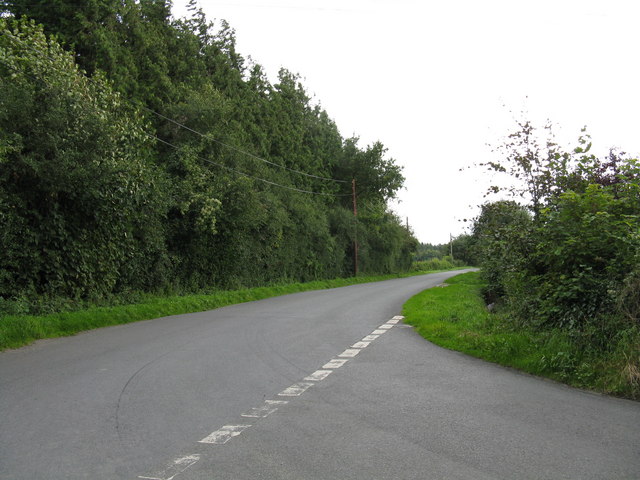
<point x="80" y="203"/>
<point x="436" y="264"/>
<point x="628" y="301"/>
<point x="502" y="235"/>
<point x="586" y="247"/>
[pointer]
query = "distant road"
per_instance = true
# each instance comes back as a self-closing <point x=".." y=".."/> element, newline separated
<point x="315" y="385"/>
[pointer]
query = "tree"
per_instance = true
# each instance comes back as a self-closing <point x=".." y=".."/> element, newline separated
<point x="463" y="247"/>
<point x="378" y="178"/>
<point x="533" y="162"/>
<point x="587" y="247"/>
<point x="237" y="182"/>
<point x="574" y="263"/>
<point x="81" y="204"/>
<point x="502" y="235"/>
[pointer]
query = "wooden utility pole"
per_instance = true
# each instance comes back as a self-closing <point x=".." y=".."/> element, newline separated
<point x="451" y="246"/>
<point x="355" y="223"/>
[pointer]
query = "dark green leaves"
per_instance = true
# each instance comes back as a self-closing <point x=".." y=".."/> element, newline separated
<point x="572" y="265"/>
<point x="80" y="197"/>
<point x="138" y="152"/>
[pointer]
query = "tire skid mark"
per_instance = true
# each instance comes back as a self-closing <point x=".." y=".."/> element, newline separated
<point x="227" y="432"/>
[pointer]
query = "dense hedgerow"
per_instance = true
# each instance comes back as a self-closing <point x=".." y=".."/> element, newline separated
<point x="143" y="153"/>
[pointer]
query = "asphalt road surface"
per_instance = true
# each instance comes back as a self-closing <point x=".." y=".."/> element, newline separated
<point x="316" y="385"/>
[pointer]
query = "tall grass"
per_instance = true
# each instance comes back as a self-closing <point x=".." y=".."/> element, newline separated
<point x="20" y="330"/>
<point x="456" y="318"/>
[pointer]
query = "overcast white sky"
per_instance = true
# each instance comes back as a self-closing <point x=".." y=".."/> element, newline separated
<point x="435" y="81"/>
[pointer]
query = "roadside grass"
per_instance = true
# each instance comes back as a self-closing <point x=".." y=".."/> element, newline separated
<point x="456" y="318"/>
<point x="20" y="330"/>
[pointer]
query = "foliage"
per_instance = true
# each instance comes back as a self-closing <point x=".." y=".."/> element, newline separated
<point x="586" y="248"/>
<point x="384" y="242"/>
<point x="428" y="251"/>
<point x="572" y="264"/>
<point x="139" y="152"/>
<point x="502" y="234"/>
<point x="17" y="329"/>
<point x="444" y="263"/>
<point x="462" y="247"/>
<point x="456" y="317"/>
<point x="533" y="164"/>
<point x="378" y="179"/>
<point x="80" y="202"/>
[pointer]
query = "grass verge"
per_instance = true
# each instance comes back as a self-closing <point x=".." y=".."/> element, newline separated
<point x="456" y="318"/>
<point x="19" y="330"/>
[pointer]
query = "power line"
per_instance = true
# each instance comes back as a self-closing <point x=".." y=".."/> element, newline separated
<point x="238" y="172"/>
<point x="240" y="150"/>
<point x="217" y="141"/>
<point x="208" y="137"/>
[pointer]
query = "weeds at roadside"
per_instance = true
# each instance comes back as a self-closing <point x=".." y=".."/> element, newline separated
<point x="17" y="330"/>
<point x="457" y="318"/>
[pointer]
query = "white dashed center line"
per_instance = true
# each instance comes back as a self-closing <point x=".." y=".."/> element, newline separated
<point x="269" y="407"/>
<point x="175" y="468"/>
<point x="336" y="363"/>
<point x="350" y="352"/>
<point x="318" y="375"/>
<point x="227" y="432"/>
<point x="296" y="389"/>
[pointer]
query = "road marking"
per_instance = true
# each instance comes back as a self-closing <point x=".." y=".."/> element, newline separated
<point x="336" y="363"/>
<point x="225" y="434"/>
<point x="318" y="375"/>
<point x="267" y="409"/>
<point x="174" y="469"/>
<point x="350" y="352"/>
<point x="296" y="389"/>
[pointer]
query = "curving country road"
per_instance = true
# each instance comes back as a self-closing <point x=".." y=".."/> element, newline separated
<point x="316" y="385"/>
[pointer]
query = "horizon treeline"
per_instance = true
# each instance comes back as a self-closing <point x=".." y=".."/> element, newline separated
<point x="141" y="152"/>
<point x="459" y="250"/>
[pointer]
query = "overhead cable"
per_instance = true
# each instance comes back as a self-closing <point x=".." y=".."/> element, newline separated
<point x="269" y="182"/>
<point x="239" y="150"/>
